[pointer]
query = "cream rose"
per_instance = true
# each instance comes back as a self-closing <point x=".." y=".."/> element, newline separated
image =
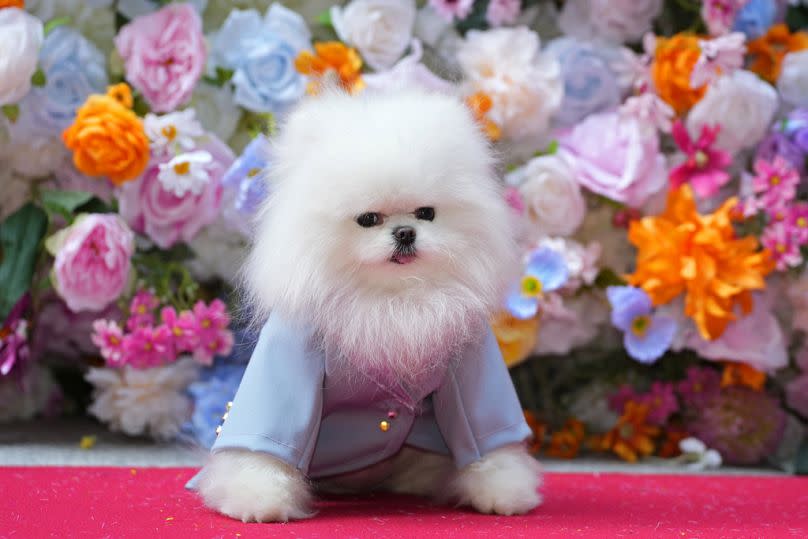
<point x="553" y="200"/>
<point x="742" y="103"/>
<point x="380" y="29"/>
<point x="793" y="81"/>
<point x="21" y="37"/>
<point x="524" y="83"/>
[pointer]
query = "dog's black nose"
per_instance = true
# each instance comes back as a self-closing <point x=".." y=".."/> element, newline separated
<point x="404" y="235"/>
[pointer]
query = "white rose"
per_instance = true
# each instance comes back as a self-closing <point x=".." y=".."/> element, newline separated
<point x="553" y="200"/>
<point x="216" y="110"/>
<point x="617" y="21"/>
<point x="742" y="103"/>
<point x="793" y="81"/>
<point x="380" y="29"/>
<point x="218" y="253"/>
<point x="21" y="37"/>
<point x="524" y="84"/>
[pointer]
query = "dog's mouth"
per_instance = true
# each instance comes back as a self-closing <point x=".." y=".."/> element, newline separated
<point x="403" y="257"/>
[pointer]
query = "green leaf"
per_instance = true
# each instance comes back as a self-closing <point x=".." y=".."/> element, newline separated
<point x="261" y="123"/>
<point x="38" y="79"/>
<point x="606" y="277"/>
<point x="55" y="23"/>
<point x="20" y="236"/>
<point x="324" y="18"/>
<point x="64" y="203"/>
<point x="12" y="112"/>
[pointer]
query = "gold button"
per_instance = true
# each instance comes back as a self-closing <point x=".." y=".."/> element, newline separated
<point x="229" y="405"/>
<point x="385" y="426"/>
<point x="224" y="417"/>
<point x="218" y="430"/>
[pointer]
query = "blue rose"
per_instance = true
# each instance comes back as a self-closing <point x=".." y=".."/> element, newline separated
<point x="590" y="84"/>
<point x="755" y="18"/>
<point x="261" y="52"/>
<point x="74" y="68"/>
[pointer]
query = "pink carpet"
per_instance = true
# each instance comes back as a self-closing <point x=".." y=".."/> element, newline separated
<point x="150" y="502"/>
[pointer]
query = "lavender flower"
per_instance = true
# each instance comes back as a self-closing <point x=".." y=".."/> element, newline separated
<point x="647" y="336"/>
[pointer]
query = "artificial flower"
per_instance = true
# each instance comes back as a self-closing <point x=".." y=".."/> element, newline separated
<point x="14" y="349"/>
<point x="538" y="429"/>
<point x="262" y="54"/>
<point x="669" y="446"/>
<point x="719" y="56"/>
<point x="615" y="157"/>
<point x="107" y="138"/>
<point x="553" y="201"/>
<point x="166" y="218"/>
<point x="742" y="424"/>
<point x="502" y="12"/>
<point x="741" y="374"/>
<point x="92" y="261"/>
<point x="184" y="329"/>
<point x="573" y="324"/>
<point x="516" y="337"/>
<point x="21" y="37"/>
<point x="211" y="393"/>
<point x="632" y="436"/>
<point x="615" y="21"/>
<point x="526" y="88"/>
<point x="647" y="336"/>
<point x="590" y="83"/>
<point x="74" y="69"/>
<point x="681" y="251"/>
<point x="218" y="253"/>
<point x="775" y="184"/>
<point x="649" y="110"/>
<point x="331" y="59"/>
<point x="143" y="401"/>
<point x="581" y="260"/>
<point x="173" y="133"/>
<point x="148" y="347"/>
<point x="186" y="173"/>
<point x="672" y="68"/>
<point x="381" y="30"/>
<point x="565" y="443"/>
<point x="409" y="72"/>
<point x="784" y="249"/>
<point x="141" y="309"/>
<point x="705" y="166"/>
<point x="719" y="15"/>
<point x="778" y="144"/>
<point x="245" y="184"/>
<point x="797" y="222"/>
<point x="768" y="51"/>
<point x="12" y="3"/>
<point x="164" y="53"/>
<point x="755" y="17"/>
<point x="480" y="105"/>
<point x="545" y="271"/>
<point x="700" y="385"/>
<point x="214" y="339"/>
<point x="742" y="104"/>
<point x="661" y="401"/>
<point x="793" y="80"/>
<point x="698" y="456"/>
<point x="108" y="337"/>
<point x="216" y="110"/>
<point x="450" y="10"/>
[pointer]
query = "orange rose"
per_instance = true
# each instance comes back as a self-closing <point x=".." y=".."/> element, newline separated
<point x="107" y="138"/>
<point x="331" y="59"/>
<point x="673" y="63"/>
<point x="768" y="51"/>
<point x="12" y="3"/>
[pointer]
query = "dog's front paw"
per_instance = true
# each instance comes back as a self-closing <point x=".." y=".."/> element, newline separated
<point x="254" y="487"/>
<point x="505" y="481"/>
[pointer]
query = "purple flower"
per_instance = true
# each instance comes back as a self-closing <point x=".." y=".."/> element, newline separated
<point x="546" y="271"/>
<point x="647" y="336"/>
<point x="661" y="401"/>
<point x="701" y="385"/>
<point x="245" y="184"/>
<point x="779" y="145"/>
<point x="14" y="336"/>
<point x="742" y="424"/>
<point x="796" y="127"/>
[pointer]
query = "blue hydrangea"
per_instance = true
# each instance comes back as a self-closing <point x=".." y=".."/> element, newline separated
<point x="647" y="336"/>
<point x="210" y="394"/>
<point x="546" y="270"/>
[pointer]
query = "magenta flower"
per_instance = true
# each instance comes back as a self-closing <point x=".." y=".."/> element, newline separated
<point x="213" y="336"/>
<point x="108" y="337"/>
<point x="514" y="199"/>
<point x="618" y="400"/>
<point x="183" y="328"/>
<point x="700" y="386"/>
<point x="661" y="401"/>
<point x="779" y="240"/>
<point x="452" y="9"/>
<point x="705" y="166"/>
<point x="141" y="310"/>
<point x="797" y="222"/>
<point x="148" y="347"/>
<point x="775" y="183"/>
<point x="14" y="347"/>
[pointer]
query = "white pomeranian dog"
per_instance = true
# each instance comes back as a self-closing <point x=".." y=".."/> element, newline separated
<point x="381" y="253"/>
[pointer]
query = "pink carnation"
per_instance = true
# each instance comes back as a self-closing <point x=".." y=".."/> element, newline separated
<point x="214" y="337"/>
<point x="164" y="54"/>
<point x="92" y="261"/>
<point x="166" y="218"/>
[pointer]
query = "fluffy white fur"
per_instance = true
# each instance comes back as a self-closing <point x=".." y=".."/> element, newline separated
<point x="336" y="158"/>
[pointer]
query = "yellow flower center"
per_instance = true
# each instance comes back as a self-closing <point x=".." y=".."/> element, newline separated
<point x="531" y="286"/>
<point x="169" y="132"/>
<point x="182" y="168"/>
<point x="626" y="431"/>
<point x="114" y="340"/>
<point x="253" y="172"/>
<point x="775" y="180"/>
<point x="141" y="309"/>
<point x="701" y="159"/>
<point x="177" y="331"/>
<point x="205" y="323"/>
<point x="640" y="325"/>
<point x="147" y="347"/>
<point x="802" y="222"/>
<point x="780" y="248"/>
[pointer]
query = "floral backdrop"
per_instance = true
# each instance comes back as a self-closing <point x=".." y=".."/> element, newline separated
<point x="654" y="154"/>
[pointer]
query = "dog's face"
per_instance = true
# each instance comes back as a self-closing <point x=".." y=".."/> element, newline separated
<point x="381" y="195"/>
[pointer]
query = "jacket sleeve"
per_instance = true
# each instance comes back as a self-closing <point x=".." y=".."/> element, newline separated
<point x="278" y="405"/>
<point x="476" y="406"/>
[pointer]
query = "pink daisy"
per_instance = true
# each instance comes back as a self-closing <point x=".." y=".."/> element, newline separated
<point x="148" y="347"/>
<point x="777" y="238"/>
<point x="213" y="336"/>
<point x="108" y="337"/>
<point x="776" y="184"/>
<point x="798" y="222"/>
<point x="183" y="328"/>
<point x="141" y="310"/>
<point x="452" y="9"/>
<point x="705" y="166"/>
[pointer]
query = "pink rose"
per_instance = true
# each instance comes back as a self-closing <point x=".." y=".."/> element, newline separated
<point x="616" y="157"/>
<point x="166" y="218"/>
<point x="92" y="261"/>
<point x="164" y="54"/>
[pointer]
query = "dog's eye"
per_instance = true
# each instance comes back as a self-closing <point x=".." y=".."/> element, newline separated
<point x="369" y="219"/>
<point x="425" y="214"/>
